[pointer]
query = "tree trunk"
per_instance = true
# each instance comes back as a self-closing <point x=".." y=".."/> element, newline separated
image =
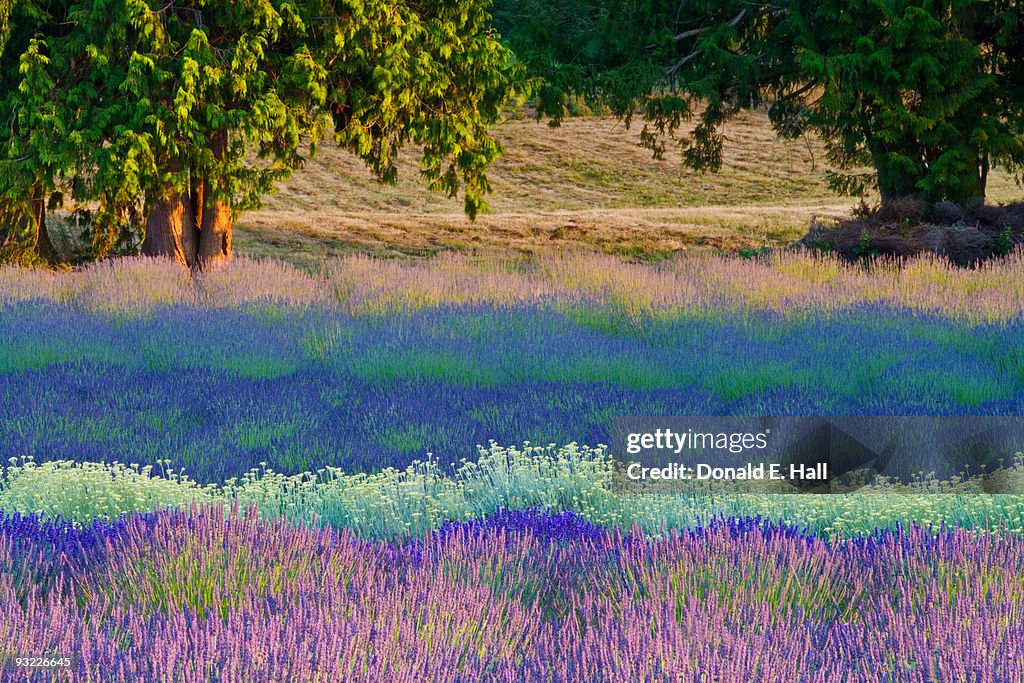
<point x="215" y="233"/>
<point x="197" y="200"/>
<point x="171" y="230"/>
<point x="44" y="247"/>
<point x="974" y="180"/>
<point x="216" y="221"/>
<point x="193" y="229"/>
<point x="983" y="169"/>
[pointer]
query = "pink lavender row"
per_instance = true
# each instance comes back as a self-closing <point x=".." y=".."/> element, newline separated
<point x="782" y="281"/>
<point x="201" y="596"/>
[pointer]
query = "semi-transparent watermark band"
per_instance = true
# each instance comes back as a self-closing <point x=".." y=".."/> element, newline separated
<point x="836" y="454"/>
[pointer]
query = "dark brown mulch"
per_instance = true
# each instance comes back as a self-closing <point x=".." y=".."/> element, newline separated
<point x="908" y="227"/>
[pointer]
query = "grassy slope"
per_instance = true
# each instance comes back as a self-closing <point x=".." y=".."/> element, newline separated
<point x="586" y="184"/>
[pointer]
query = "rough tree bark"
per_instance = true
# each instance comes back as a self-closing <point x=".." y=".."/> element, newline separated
<point x="44" y="247"/>
<point x="194" y="229"/>
<point x="215" y="234"/>
<point x="215" y="223"/>
<point x="171" y="230"/>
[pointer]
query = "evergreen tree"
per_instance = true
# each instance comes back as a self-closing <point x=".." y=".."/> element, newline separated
<point x="929" y="93"/>
<point x="170" y="118"/>
<point x="31" y="149"/>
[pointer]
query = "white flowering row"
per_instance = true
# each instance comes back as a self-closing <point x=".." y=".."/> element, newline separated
<point x="395" y="503"/>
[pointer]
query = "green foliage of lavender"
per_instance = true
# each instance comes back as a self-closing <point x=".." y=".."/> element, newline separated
<point x="303" y="388"/>
<point x="312" y="404"/>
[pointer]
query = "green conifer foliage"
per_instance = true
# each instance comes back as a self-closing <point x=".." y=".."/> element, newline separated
<point x="928" y="93"/>
<point x="168" y="118"/>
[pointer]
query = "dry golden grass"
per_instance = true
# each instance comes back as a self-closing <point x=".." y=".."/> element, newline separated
<point x="306" y="237"/>
<point x="586" y="163"/>
<point x="584" y="185"/>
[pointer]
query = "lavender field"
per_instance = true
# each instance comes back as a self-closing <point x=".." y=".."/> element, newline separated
<point x="262" y="474"/>
<point x="200" y="596"/>
<point x="124" y="363"/>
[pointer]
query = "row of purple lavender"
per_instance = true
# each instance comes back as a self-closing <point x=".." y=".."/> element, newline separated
<point x="526" y="596"/>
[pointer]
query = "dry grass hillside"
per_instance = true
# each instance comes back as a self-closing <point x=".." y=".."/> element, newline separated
<point x="586" y="184"/>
